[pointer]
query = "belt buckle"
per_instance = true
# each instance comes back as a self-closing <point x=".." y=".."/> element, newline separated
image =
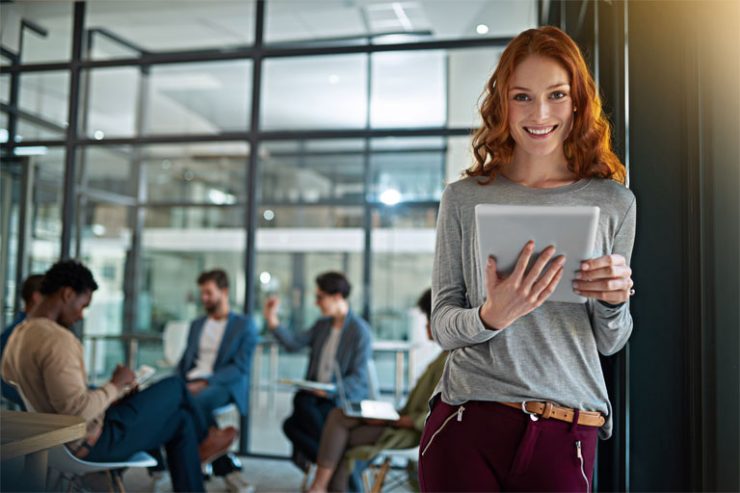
<point x="532" y="416"/>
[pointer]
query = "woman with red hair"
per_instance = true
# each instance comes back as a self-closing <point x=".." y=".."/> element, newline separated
<point x="522" y="400"/>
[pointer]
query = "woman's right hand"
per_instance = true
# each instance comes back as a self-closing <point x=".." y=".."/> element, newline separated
<point x="270" y="312"/>
<point x="512" y="297"/>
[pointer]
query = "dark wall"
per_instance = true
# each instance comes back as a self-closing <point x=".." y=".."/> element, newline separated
<point x="684" y="129"/>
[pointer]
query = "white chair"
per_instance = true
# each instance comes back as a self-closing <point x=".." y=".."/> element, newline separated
<point x="174" y="341"/>
<point x="374" y="478"/>
<point x="72" y="469"/>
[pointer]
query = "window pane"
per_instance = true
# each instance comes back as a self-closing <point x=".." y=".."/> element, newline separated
<point x="198" y="218"/>
<point x="409" y="89"/>
<point x="44" y="97"/>
<point x="315" y="92"/>
<point x="203" y="173"/>
<point x="46" y="219"/>
<point x="469" y="71"/>
<point x="308" y="172"/>
<point x="353" y="22"/>
<point x="105" y="242"/>
<point x="107" y="169"/>
<point x="168" y="25"/>
<point x="404" y="170"/>
<point x="194" y="98"/>
<point x="403" y="252"/>
<point x="53" y="17"/>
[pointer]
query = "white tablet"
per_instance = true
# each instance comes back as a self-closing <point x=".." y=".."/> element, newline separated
<point x="503" y="230"/>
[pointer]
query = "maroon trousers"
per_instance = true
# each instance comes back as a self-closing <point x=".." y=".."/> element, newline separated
<point x="486" y="446"/>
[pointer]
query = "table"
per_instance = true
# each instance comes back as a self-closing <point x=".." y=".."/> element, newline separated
<point x="32" y="435"/>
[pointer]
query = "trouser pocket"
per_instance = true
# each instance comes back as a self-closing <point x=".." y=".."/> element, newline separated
<point x="458" y="414"/>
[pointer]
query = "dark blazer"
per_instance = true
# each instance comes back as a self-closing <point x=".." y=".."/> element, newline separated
<point x="353" y="352"/>
<point x="233" y="365"/>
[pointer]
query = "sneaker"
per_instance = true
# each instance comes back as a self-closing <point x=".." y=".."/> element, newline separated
<point x="236" y="483"/>
<point x="216" y="444"/>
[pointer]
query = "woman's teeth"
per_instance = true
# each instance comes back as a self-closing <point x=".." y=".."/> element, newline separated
<point x="540" y="131"/>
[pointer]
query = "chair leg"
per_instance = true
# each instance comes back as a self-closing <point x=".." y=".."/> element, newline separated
<point x="119" y="481"/>
<point x="366" y="480"/>
<point x="380" y="476"/>
<point x="306" y="477"/>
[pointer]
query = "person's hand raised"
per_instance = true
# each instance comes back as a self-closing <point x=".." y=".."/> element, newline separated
<point x="270" y="312"/>
<point x="510" y="298"/>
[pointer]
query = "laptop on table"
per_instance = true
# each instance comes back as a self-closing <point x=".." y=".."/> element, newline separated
<point x="365" y="409"/>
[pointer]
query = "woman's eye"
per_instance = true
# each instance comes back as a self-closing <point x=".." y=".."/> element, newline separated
<point x="558" y="95"/>
<point x="521" y="97"/>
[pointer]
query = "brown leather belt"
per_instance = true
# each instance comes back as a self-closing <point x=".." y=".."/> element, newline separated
<point x="548" y="410"/>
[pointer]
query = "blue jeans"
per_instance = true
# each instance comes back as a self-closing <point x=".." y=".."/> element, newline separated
<point x="210" y="399"/>
<point x="162" y="415"/>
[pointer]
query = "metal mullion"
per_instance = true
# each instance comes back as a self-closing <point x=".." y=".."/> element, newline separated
<point x="257" y="51"/>
<point x="251" y="190"/>
<point x="70" y="191"/>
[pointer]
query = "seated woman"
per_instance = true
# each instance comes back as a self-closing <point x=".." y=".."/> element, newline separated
<point x="340" y="337"/>
<point x="367" y="438"/>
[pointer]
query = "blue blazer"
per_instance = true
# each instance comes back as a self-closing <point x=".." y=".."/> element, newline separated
<point x="353" y="352"/>
<point x="233" y="366"/>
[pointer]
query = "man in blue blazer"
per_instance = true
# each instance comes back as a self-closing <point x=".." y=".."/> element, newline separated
<point x="340" y="338"/>
<point x="217" y="361"/>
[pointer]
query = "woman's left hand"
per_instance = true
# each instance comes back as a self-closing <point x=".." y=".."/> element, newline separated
<point x="606" y="278"/>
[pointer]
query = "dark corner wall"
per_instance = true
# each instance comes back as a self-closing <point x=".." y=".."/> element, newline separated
<point x="684" y="132"/>
<point x="669" y="74"/>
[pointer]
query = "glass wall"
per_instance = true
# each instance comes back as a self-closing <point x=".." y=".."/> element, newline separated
<point x="352" y="149"/>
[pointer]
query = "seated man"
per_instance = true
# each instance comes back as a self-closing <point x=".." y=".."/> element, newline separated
<point x="217" y="361"/>
<point x="31" y="296"/>
<point x="45" y="359"/>
<point x="345" y="439"/>
<point x="340" y="338"/>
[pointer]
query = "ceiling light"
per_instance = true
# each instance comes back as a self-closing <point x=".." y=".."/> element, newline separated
<point x="481" y="29"/>
<point x="98" y="135"/>
<point x="268" y="215"/>
<point x="265" y="277"/>
<point x="30" y="151"/>
<point x="390" y="197"/>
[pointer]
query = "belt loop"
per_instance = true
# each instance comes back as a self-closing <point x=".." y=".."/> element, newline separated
<point x="548" y="410"/>
<point x="576" y="415"/>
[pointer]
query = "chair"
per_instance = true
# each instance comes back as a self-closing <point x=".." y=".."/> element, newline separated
<point x="71" y="468"/>
<point x="174" y="341"/>
<point x="375" y="476"/>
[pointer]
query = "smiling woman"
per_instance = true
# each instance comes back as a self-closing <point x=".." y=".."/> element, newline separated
<point x="522" y="398"/>
<point x="548" y="61"/>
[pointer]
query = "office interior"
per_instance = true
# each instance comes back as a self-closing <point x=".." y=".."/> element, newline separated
<point x="278" y="139"/>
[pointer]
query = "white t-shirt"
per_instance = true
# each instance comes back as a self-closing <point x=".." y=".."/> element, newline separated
<point x="328" y="354"/>
<point x="210" y="342"/>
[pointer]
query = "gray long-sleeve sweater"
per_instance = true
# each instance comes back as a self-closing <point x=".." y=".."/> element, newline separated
<point x="550" y="354"/>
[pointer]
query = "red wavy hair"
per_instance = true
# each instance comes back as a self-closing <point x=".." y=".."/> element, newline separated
<point x="587" y="148"/>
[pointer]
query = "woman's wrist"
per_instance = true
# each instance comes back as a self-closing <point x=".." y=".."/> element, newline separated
<point x="486" y="319"/>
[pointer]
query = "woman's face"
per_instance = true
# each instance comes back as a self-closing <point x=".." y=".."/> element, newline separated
<point x="540" y="106"/>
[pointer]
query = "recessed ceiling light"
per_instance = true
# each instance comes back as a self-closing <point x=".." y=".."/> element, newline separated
<point x="268" y="215"/>
<point x="390" y="197"/>
<point x="481" y="29"/>
<point x="265" y="277"/>
<point x="98" y="135"/>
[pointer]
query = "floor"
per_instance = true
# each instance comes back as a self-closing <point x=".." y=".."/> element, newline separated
<point x="264" y="474"/>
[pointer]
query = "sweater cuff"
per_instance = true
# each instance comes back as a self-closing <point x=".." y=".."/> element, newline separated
<point x="112" y="392"/>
